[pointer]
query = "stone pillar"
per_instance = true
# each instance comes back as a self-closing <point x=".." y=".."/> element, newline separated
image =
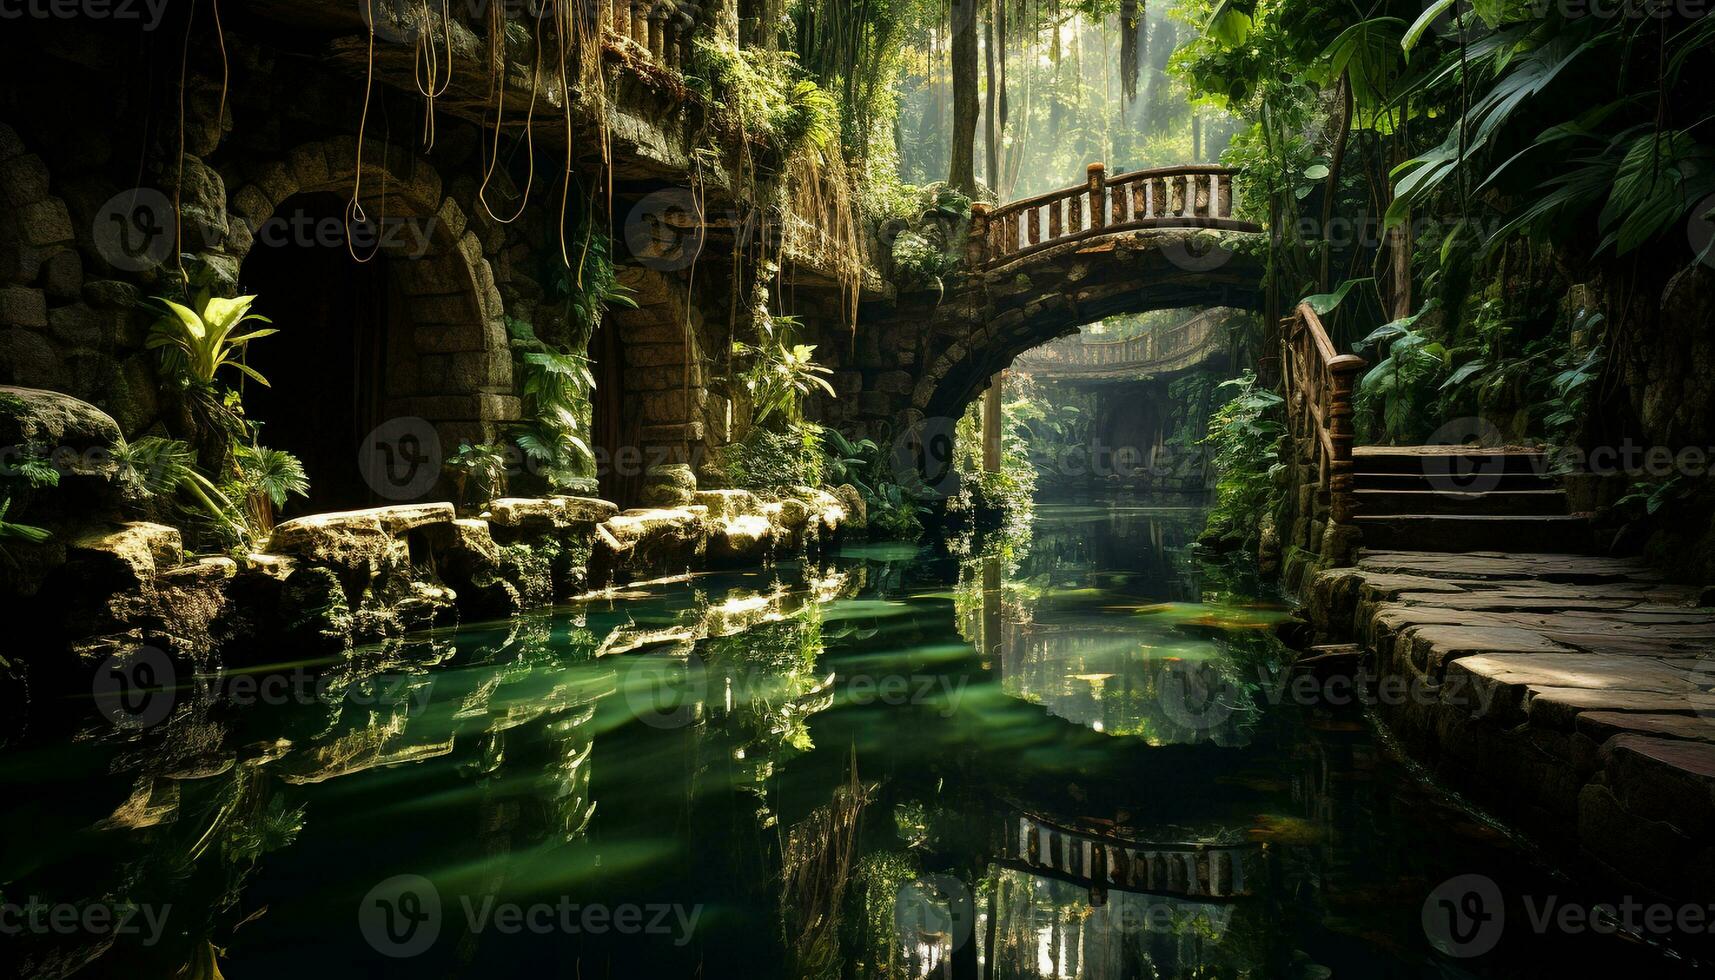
<point x="976" y="246"/>
<point x="992" y="424"/>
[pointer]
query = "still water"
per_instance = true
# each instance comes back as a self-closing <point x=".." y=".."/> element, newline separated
<point x="1060" y="757"/>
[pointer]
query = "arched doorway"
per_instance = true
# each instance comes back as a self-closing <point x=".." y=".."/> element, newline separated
<point x="327" y="365"/>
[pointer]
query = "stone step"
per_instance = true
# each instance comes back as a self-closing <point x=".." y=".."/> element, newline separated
<point x="1454" y="460"/>
<point x="1435" y="532"/>
<point x="1454" y="482"/>
<point x="1495" y="503"/>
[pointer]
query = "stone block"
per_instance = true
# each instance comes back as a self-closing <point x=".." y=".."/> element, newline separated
<point x="23" y="180"/>
<point x="22" y="307"/>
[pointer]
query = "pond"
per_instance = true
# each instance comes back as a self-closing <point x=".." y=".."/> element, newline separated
<point x="1071" y="756"/>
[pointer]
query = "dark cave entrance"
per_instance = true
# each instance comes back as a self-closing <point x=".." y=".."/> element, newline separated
<point x="327" y="363"/>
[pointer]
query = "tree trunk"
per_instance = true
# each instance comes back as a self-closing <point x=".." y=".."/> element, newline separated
<point x="962" y="173"/>
<point x="991" y="174"/>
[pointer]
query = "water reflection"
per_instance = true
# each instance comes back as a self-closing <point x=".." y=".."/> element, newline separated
<point x="994" y="763"/>
<point x="1147" y="647"/>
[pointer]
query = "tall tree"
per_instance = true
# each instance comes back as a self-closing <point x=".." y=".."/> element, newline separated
<point x="963" y="173"/>
<point x="991" y="120"/>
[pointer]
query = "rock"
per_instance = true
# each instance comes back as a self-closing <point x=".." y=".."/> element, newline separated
<point x="23" y="307"/>
<point x="53" y="424"/>
<point x="27" y="358"/>
<point x="857" y="511"/>
<point x="125" y="558"/>
<point x="741" y="540"/>
<point x="354" y="543"/>
<point x="314" y="611"/>
<point x="547" y="513"/>
<point x="671" y="485"/>
<point x="724" y="504"/>
<point x="649" y="540"/>
<point x="202" y="206"/>
<point x="468" y="560"/>
<point x="276" y="567"/>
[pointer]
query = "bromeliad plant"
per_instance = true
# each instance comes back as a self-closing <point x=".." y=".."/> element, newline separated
<point x="197" y="343"/>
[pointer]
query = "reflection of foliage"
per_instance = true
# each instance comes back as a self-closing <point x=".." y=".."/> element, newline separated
<point x="871" y="922"/>
<point x="817" y="860"/>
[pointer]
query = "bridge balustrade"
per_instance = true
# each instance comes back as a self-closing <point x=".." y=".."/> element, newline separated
<point x="1185" y="196"/>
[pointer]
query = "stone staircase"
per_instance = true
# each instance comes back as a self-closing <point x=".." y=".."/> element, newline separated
<point x="1450" y="498"/>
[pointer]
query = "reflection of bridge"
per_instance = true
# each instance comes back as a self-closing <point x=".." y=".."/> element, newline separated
<point x="1154" y="352"/>
<point x="1205" y="872"/>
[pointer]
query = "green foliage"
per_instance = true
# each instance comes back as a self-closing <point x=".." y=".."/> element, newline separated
<point x="10" y="531"/>
<point x="765" y="95"/>
<point x="780" y="372"/>
<point x="1243" y="434"/>
<point x="1395" y="393"/>
<point x="480" y="467"/>
<point x="772" y="460"/>
<point x="1011" y="492"/>
<point x="894" y="510"/>
<point x="556" y="385"/>
<point x="197" y="343"/>
<point x="167" y="468"/>
<point x="265" y="479"/>
<point x="553" y="374"/>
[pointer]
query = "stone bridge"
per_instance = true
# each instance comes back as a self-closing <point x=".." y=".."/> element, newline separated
<point x="1150" y="354"/>
<point x="1039" y="269"/>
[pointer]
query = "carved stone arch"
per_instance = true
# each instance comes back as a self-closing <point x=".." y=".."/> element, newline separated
<point x="446" y="350"/>
<point x="448" y="359"/>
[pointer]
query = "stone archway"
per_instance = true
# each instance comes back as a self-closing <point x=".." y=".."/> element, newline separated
<point x="447" y="357"/>
<point x="927" y="358"/>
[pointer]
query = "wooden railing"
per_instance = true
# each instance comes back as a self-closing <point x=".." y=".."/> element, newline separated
<point x="1318" y="383"/>
<point x="1152" y="347"/>
<point x="1188" y="196"/>
<point x="663" y="28"/>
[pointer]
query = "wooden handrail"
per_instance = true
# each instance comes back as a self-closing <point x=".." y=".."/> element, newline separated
<point x="1318" y="383"/>
<point x="1196" y="195"/>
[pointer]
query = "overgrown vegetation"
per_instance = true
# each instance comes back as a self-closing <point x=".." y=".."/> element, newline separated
<point x="1243" y="435"/>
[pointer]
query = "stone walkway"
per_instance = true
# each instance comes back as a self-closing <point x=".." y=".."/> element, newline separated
<point x="1569" y="694"/>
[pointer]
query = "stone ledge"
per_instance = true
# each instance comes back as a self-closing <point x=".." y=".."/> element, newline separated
<point x="1568" y="694"/>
